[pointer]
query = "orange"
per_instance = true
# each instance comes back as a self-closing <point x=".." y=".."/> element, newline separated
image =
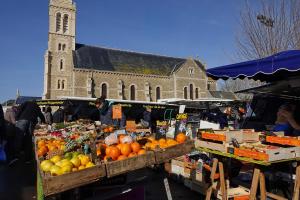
<point x="135" y="147"/>
<point x="141" y="152"/>
<point x="151" y="139"/>
<point x="41" y="143"/>
<point x="132" y="154"/>
<point x="153" y="146"/>
<point x="114" y="152"/>
<point x="126" y="149"/>
<point x="119" y="146"/>
<point x="106" y="158"/>
<point x="162" y="140"/>
<point x="122" y="157"/>
<point x="181" y="138"/>
<point x="107" y="150"/>
<point x="148" y="145"/>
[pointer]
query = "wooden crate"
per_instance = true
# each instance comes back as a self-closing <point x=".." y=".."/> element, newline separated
<point x="268" y="155"/>
<point x="163" y="155"/>
<point x="239" y="193"/>
<point x="214" y="136"/>
<point x="177" y="166"/>
<point x="212" y="145"/>
<point x="292" y="141"/>
<point x="118" y="167"/>
<point x="56" y="184"/>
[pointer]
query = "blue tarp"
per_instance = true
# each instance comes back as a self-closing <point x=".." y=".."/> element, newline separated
<point x="269" y="68"/>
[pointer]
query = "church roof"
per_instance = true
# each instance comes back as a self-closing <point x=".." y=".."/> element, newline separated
<point x="100" y="58"/>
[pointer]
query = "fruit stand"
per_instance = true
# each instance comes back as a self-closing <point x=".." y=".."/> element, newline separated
<point x="81" y="153"/>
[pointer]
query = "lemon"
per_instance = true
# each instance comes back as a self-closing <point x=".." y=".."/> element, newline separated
<point x="89" y="164"/>
<point x="84" y="159"/>
<point x="66" y="168"/>
<point x="81" y="167"/>
<point x="75" y="161"/>
<point x="46" y="165"/>
<point x="56" y="170"/>
<point x="55" y="159"/>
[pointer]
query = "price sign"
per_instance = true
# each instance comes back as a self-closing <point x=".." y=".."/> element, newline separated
<point x="130" y="126"/>
<point x="181" y="116"/>
<point x="117" y="112"/>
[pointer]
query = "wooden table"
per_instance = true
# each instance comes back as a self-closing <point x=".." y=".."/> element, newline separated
<point x="257" y="179"/>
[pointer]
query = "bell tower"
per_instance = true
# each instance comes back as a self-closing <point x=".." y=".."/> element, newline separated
<point x="61" y="44"/>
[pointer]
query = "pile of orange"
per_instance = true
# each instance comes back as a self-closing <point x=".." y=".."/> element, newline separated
<point x="47" y="145"/>
<point x="121" y="151"/>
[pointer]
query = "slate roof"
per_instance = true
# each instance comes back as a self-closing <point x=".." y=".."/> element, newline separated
<point x="99" y="58"/>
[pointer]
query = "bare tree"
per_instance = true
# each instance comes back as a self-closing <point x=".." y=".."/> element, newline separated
<point x="274" y="28"/>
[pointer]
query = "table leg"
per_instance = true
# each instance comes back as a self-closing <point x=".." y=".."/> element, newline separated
<point x="262" y="183"/>
<point x="297" y="184"/>
<point x="212" y="175"/>
<point x="254" y="184"/>
<point x="222" y="181"/>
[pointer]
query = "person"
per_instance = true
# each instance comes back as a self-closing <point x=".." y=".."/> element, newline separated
<point x="146" y="120"/>
<point x="105" y="109"/>
<point x="2" y="125"/>
<point x="58" y="116"/>
<point x="10" y="120"/>
<point x="27" y="117"/>
<point x="48" y="116"/>
<point x="288" y="120"/>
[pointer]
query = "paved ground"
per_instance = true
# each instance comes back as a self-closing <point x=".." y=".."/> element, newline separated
<point x="19" y="183"/>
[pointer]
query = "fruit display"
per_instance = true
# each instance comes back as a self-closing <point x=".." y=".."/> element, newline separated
<point x="70" y="162"/>
<point x="124" y="146"/>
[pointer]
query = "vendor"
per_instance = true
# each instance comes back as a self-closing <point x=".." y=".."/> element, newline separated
<point x="288" y="120"/>
<point x="105" y="109"/>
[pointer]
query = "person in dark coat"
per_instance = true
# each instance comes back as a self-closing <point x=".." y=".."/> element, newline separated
<point x="48" y="116"/>
<point x="105" y="110"/>
<point x="27" y="118"/>
<point x="10" y="120"/>
<point x="58" y="116"/>
<point x="2" y="125"/>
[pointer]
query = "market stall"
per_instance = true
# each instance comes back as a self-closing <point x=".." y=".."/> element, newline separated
<point x="280" y="74"/>
<point x="74" y="154"/>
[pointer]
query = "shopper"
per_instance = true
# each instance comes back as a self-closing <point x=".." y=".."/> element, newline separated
<point x="2" y="125"/>
<point x="27" y="118"/>
<point x="48" y="116"/>
<point x="288" y="120"/>
<point x="58" y="116"/>
<point x="10" y="121"/>
<point x="105" y="113"/>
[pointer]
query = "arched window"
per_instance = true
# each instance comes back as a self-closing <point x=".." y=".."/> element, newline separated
<point x="59" y="46"/>
<point x="58" y="84"/>
<point x="61" y="64"/>
<point x="123" y="92"/>
<point x="157" y="93"/>
<point x="63" y="84"/>
<point x="65" y="23"/>
<point x="58" y="21"/>
<point x="104" y="89"/>
<point x="132" y="92"/>
<point x="185" y="92"/>
<point x="191" y="91"/>
<point x="197" y="93"/>
<point x="64" y="47"/>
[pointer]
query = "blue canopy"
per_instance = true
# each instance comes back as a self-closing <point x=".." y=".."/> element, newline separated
<point x="275" y="67"/>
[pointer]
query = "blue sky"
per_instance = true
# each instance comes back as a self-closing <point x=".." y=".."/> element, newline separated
<point x="195" y="28"/>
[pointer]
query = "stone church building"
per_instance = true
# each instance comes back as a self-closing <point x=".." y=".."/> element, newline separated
<point x="79" y="70"/>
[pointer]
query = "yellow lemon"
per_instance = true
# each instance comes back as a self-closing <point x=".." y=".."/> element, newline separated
<point x="46" y="165"/>
<point x="81" y="167"/>
<point x="66" y="169"/>
<point x="56" y="170"/>
<point x="74" y="169"/>
<point x="84" y="160"/>
<point x="75" y="161"/>
<point x="89" y="164"/>
<point x="55" y="159"/>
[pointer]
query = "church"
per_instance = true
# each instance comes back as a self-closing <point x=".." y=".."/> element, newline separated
<point x="80" y="70"/>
